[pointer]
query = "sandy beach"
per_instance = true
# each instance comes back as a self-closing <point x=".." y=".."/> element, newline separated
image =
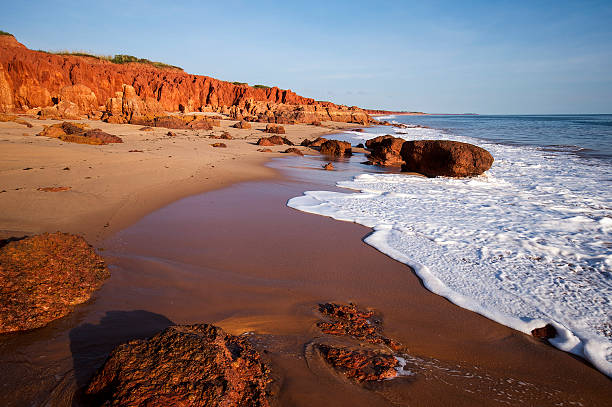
<point x="238" y="257"/>
<point x="113" y="185"/>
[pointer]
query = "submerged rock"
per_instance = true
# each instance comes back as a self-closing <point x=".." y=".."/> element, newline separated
<point x="445" y="158"/>
<point x="360" y="365"/>
<point x="188" y="365"/>
<point x="328" y="167"/>
<point x="351" y="321"/>
<point x="43" y="277"/>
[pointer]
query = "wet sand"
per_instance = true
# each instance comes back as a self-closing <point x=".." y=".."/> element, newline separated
<point x="239" y="258"/>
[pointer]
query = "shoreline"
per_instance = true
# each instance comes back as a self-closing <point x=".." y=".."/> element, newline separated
<point x="286" y="318"/>
<point x="102" y="199"/>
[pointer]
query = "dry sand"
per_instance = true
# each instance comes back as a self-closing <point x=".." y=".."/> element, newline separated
<point x="111" y="187"/>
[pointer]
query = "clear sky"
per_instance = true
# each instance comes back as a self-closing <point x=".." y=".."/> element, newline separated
<point x="434" y="56"/>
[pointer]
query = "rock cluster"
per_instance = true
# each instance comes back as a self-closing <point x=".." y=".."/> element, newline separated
<point x="314" y="143"/>
<point x="430" y="157"/>
<point x="43" y="277"/>
<point x="78" y="133"/>
<point x="188" y="365"/>
<point x="242" y="124"/>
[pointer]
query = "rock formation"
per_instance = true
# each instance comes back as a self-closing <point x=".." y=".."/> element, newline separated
<point x="360" y="365"/>
<point x="188" y="365"/>
<point x="336" y="148"/>
<point x="429" y="157"/>
<point x="293" y="150"/>
<point x="385" y="151"/>
<point x="78" y="133"/>
<point x="445" y="158"/>
<point x="69" y="86"/>
<point x="275" y="129"/>
<point x="43" y="277"/>
<point x="274" y="141"/>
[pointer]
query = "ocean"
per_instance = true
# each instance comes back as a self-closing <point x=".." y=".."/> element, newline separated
<point x="525" y="244"/>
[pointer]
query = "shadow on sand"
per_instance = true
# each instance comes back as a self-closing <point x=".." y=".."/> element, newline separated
<point x="91" y="344"/>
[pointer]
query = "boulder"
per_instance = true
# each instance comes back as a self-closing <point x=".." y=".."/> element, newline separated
<point x="222" y="145"/>
<point x="314" y="143"/>
<point x="78" y="133"/>
<point x="184" y="365"/>
<point x="242" y="125"/>
<point x="385" y="151"/>
<point x="329" y="167"/>
<point x="336" y="148"/>
<point x="293" y="150"/>
<point x="275" y="128"/>
<point x="43" y="277"/>
<point x="444" y="158"/>
<point x="546" y="332"/>
<point x="274" y="141"/>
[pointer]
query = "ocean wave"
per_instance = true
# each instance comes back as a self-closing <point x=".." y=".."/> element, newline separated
<point x="526" y="244"/>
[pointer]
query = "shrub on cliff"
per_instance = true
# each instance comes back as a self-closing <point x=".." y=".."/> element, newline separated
<point x="5" y="33"/>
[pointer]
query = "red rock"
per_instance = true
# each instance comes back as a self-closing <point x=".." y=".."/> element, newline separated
<point x="265" y="150"/>
<point x="315" y="143"/>
<point x="385" y="151"/>
<point x="274" y="141"/>
<point x="242" y="125"/>
<point x="146" y="128"/>
<point x="78" y="133"/>
<point x="336" y="148"/>
<point x="53" y="189"/>
<point x="14" y="118"/>
<point x="226" y="136"/>
<point x="188" y="365"/>
<point x="329" y="167"/>
<point x="171" y="134"/>
<point x="274" y="128"/>
<point x="43" y="277"/>
<point x="222" y="145"/>
<point x="546" y="332"/>
<point x="293" y="150"/>
<point x="444" y="158"/>
<point x="360" y="365"/>
<point x="105" y="138"/>
<point x="351" y="321"/>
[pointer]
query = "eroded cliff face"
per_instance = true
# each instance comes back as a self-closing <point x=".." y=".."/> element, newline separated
<point x="68" y="86"/>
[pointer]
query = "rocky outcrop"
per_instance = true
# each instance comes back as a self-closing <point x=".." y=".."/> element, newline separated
<point x="275" y="129"/>
<point x="69" y="86"/>
<point x="328" y="167"/>
<point x="546" y="332"/>
<point x="431" y="158"/>
<point x="314" y="143"/>
<point x="445" y="158"/>
<point x="336" y="148"/>
<point x="43" y="277"/>
<point x="385" y="151"/>
<point x="78" y="133"/>
<point x="189" y="365"/>
<point x="221" y="145"/>
<point x="274" y="141"/>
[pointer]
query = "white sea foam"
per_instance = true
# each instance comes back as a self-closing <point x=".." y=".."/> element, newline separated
<point x="528" y="243"/>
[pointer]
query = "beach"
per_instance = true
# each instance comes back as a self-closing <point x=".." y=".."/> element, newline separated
<point x="210" y="239"/>
<point x="113" y="185"/>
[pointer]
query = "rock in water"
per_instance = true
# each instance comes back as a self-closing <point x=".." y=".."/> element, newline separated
<point x="336" y="148"/>
<point x="43" y="277"/>
<point x="385" y="151"/>
<point x="360" y="365"/>
<point x="188" y="365"/>
<point x="293" y="150"/>
<point x="445" y="158"/>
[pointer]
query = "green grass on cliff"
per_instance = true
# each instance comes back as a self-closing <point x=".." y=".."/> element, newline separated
<point x="261" y="87"/>
<point x="117" y="59"/>
<point x="5" y="33"/>
<point x="240" y="83"/>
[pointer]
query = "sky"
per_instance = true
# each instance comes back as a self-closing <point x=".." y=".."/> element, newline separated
<point x="495" y="57"/>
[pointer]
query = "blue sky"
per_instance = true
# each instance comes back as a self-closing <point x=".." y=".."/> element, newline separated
<point x="434" y="56"/>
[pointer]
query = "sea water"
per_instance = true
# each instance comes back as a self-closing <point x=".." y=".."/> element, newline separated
<point x="527" y="243"/>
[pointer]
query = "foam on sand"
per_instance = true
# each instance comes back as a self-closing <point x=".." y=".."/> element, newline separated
<point x="526" y="244"/>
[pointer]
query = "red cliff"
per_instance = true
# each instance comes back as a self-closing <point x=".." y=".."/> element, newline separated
<point x="80" y="85"/>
